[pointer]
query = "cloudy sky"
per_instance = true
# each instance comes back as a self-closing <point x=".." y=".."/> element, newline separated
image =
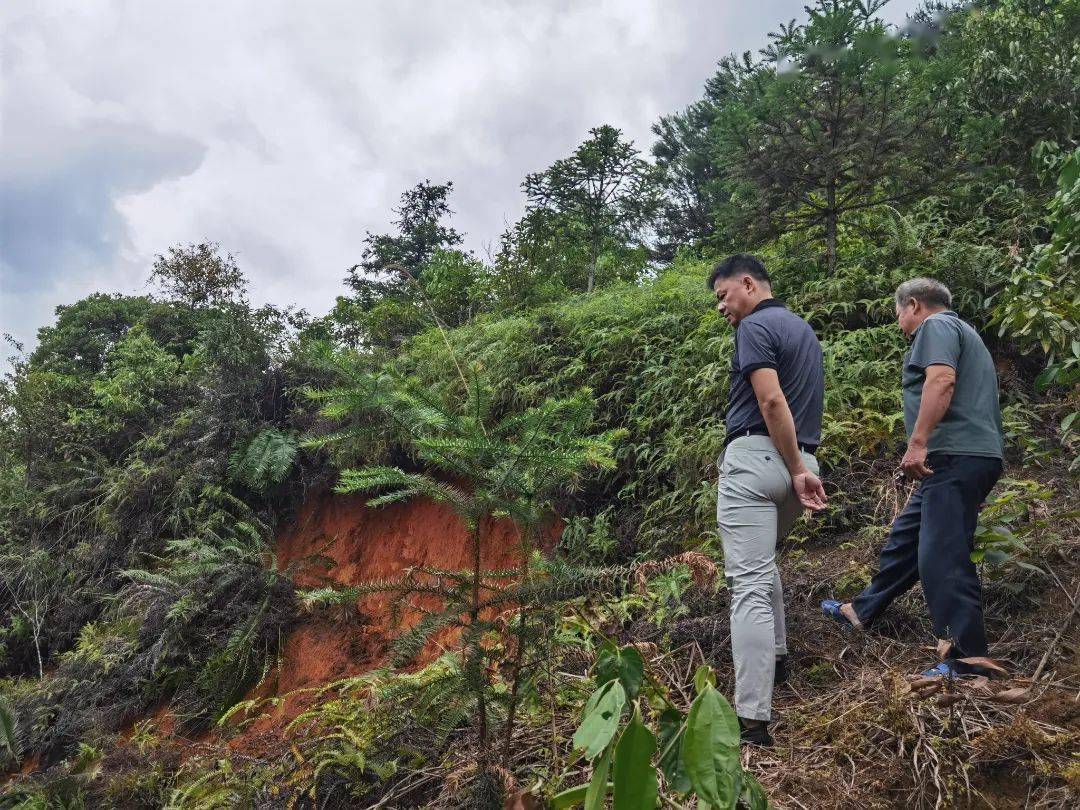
<point x="285" y="130"/>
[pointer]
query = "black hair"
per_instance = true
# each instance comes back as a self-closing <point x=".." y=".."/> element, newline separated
<point x="739" y="263"/>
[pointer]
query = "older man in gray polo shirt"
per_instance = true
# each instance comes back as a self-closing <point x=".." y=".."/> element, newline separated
<point x="768" y="473"/>
<point x="955" y="450"/>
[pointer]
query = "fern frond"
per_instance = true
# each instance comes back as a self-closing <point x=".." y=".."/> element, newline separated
<point x="265" y="460"/>
<point x="410" y="643"/>
<point x="328" y="597"/>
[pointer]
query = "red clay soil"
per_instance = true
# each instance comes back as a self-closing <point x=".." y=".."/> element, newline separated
<point x="339" y="540"/>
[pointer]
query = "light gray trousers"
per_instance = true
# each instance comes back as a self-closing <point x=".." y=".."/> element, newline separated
<point x="755" y="508"/>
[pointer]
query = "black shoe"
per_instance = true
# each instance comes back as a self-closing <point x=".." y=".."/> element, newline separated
<point x="781" y="674"/>
<point x="754" y="733"/>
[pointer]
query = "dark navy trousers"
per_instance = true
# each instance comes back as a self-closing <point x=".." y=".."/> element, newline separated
<point x="931" y="540"/>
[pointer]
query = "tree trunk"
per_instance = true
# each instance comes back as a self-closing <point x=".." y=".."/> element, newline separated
<point x="37" y="649"/>
<point x="594" y="251"/>
<point x="483" y="759"/>
<point x="511" y="714"/>
<point x="830" y="227"/>
<point x="530" y="541"/>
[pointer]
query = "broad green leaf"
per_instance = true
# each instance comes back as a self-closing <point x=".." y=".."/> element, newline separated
<point x="571" y="797"/>
<point x="1066" y="423"/>
<point x="635" y="777"/>
<point x="1005" y="532"/>
<point x="598" y="785"/>
<point x="753" y="794"/>
<point x="601" y="719"/>
<point x="710" y="749"/>
<point x="671" y="731"/>
<point x="625" y="664"/>
<point x="1046" y="378"/>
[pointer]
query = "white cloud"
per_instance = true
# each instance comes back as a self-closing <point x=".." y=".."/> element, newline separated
<point x="284" y="131"/>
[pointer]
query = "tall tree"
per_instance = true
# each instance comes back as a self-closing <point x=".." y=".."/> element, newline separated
<point x="838" y="126"/>
<point x="604" y="188"/>
<point x="199" y="276"/>
<point x="420" y="232"/>
<point x="382" y="310"/>
<point x="696" y="201"/>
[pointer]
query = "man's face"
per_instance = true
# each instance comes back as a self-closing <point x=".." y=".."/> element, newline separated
<point x="735" y="297"/>
<point x="909" y="316"/>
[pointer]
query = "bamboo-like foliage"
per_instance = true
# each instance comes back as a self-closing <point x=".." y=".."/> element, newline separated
<point x="10" y="739"/>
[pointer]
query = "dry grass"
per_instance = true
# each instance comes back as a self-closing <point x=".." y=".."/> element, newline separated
<point x="856" y="728"/>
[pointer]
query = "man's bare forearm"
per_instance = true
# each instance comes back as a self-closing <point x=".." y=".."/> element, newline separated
<point x="936" y="396"/>
<point x="781" y="427"/>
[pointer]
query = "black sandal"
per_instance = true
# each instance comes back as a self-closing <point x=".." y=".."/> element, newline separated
<point x="781" y="674"/>
<point x="755" y="732"/>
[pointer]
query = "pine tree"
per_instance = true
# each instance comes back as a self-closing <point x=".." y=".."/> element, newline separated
<point x="832" y="126"/>
<point x="512" y="466"/>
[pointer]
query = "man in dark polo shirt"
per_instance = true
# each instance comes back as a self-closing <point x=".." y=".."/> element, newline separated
<point x="768" y="473"/>
<point x="955" y="449"/>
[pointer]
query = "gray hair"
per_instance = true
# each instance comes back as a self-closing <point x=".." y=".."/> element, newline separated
<point x="928" y="291"/>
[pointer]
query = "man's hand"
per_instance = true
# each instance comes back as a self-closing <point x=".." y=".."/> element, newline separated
<point x="810" y="491"/>
<point x="936" y="395"/>
<point x="781" y="426"/>
<point x="913" y="463"/>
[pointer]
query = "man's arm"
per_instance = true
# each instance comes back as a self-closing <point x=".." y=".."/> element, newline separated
<point x="781" y="427"/>
<point x="937" y="393"/>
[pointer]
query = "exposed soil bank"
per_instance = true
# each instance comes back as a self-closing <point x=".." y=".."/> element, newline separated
<point x="338" y="540"/>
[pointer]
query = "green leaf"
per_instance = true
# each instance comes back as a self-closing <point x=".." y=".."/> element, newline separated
<point x="710" y="748"/>
<point x="1046" y="378"/>
<point x="753" y="794"/>
<point x="625" y="664"/>
<point x="671" y="731"/>
<point x="635" y="777"/>
<point x="601" y="719"/>
<point x="599" y="785"/>
<point x="571" y="797"/>
<point x="1066" y="423"/>
<point x="704" y="676"/>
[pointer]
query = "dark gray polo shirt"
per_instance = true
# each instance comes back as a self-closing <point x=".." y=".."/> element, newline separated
<point x="972" y="424"/>
<point x="774" y="337"/>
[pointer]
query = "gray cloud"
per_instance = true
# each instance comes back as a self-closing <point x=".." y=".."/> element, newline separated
<point x="65" y="213"/>
<point x="285" y="131"/>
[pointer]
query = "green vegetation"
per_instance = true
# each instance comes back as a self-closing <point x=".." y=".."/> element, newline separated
<point x="150" y="446"/>
<point x="698" y="753"/>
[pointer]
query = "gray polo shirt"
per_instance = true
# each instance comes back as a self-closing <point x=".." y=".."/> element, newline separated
<point x="972" y="424"/>
<point x="774" y="337"/>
